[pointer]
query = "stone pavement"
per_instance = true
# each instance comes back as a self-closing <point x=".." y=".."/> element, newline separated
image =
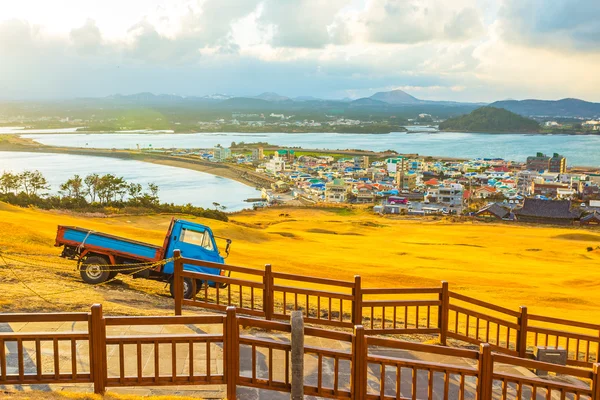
<point x="203" y="361"/>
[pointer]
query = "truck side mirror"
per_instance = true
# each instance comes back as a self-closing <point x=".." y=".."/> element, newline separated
<point x="228" y="246"/>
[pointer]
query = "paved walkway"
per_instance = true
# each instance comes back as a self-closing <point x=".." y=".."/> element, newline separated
<point x="215" y="362"/>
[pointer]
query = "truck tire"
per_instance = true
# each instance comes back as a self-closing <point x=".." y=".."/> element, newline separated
<point x="112" y="275"/>
<point x="187" y="288"/>
<point x="94" y="270"/>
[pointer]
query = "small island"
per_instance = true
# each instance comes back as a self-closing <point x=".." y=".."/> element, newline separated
<point x="491" y="120"/>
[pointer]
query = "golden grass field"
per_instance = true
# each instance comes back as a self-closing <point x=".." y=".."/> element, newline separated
<point x="546" y="268"/>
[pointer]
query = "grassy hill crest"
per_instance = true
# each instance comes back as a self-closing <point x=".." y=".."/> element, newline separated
<point x="490" y="119"/>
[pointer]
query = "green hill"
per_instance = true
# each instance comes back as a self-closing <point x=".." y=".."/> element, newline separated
<point x="490" y="119"/>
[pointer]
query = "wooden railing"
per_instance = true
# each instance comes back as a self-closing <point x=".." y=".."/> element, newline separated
<point x="407" y="378"/>
<point x="401" y="315"/>
<point x="21" y="357"/>
<point x="476" y="322"/>
<point x="581" y="340"/>
<point x="227" y="350"/>
<point x="181" y="370"/>
<point x="433" y="311"/>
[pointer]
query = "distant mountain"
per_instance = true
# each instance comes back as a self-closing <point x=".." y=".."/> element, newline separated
<point x="217" y="96"/>
<point x="306" y="98"/>
<point x="550" y="108"/>
<point x="490" y="119"/>
<point x="395" y="97"/>
<point x="250" y="103"/>
<point x="392" y="100"/>
<point x="270" y="96"/>
<point x="146" y="97"/>
<point x="368" y="101"/>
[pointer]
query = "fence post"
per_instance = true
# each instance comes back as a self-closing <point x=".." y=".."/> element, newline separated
<point x="98" y="344"/>
<point x="443" y="313"/>
<point x="486" y="372"/>
<point x="232" y="357"/>
<point x="297" y="353"/>
<point x="177" y="282"/>
<point x="357" y="302"/>
<point x="268" y="292"/>
<point x="596" y="382"/>
<point x="522" y="337"/>
<point x="359" y="364"/>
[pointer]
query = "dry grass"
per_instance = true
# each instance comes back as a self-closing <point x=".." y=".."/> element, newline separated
<point x="546" y="268"/>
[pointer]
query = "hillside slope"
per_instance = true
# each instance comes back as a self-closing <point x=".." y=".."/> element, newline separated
<point x="395" y="97"/>
<point x="558" y="108"/>
<point x="547" y="269"/>
<point x="490" y="119"/>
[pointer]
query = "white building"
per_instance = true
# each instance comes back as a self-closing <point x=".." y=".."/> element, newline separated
<point x="221" y="153"/>
<point x="336" y="191"/>
<point x="394" y="165"/>
<point x="275" y="165"/>
<point x="451" y="194"/>
<point x="524" y="181"/>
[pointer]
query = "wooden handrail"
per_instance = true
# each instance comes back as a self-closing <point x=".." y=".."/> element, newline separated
<point x="164" y="320"/>
<point x="560" y="321"/>
<point x="310" y="279"/>
<point x="467" y="299"/>
<point x="44" y="317"/>
<point x="375" y="291"/>
<point x="533" y="364"/>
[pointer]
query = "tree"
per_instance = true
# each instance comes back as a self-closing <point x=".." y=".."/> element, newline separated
<point x="216" y="205"/>
<point x="32" y="182"/>
<point x="134" y="191"/>
<point x="120" y="187"/>
<point x="109" y="187"/>
<point x="73" y="187"/>
<point x="153" y="192"/>
<point x="91" y="181"/>
<point x="9" y="182"/>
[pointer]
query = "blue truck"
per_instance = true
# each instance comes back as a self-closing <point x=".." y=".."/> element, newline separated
<point x="100" y="256"/>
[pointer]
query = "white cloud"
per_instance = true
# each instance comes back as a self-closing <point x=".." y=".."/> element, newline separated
<point x="454" y="50"/>
<point x="87" y="38"/>
<point x="304" y="23"/>
<point x="415" y="21"/>
<point x="556" y="24"/>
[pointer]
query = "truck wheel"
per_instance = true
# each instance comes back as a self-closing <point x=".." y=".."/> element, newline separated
<point x="187" y="288"/>
<point x="112" y="275"/>
<point x="94" y="270"/>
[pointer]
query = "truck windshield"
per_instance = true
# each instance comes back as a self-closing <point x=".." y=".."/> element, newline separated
<point x="197" y="238"/>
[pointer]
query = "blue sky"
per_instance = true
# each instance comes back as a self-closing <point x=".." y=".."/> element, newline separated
<point x="463" y="50"/>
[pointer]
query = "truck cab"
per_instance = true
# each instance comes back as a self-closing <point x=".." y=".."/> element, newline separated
<point x="193" y="241"/>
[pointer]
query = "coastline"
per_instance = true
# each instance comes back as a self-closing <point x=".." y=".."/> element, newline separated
<point x="246" y="176"/>
<point x="523" y="133"/>
<point x="228" y="171"/>
<point x="229" y="129"/>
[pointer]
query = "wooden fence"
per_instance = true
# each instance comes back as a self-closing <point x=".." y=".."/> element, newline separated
<point x="345" y="304"/>
<point x="226" y="350"/>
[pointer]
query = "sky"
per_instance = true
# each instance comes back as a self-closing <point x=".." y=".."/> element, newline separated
<point x="460" y="50"/>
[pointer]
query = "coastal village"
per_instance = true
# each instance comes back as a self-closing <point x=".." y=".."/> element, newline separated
<point x="540" y="190"/>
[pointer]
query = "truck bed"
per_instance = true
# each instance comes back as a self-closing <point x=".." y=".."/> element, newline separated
<point x="92" y="240"/>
